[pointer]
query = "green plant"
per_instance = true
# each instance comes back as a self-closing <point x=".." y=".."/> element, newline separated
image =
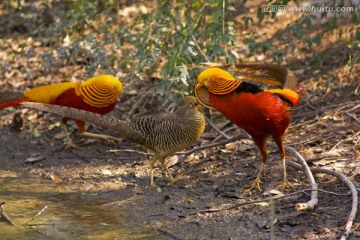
<point x="167" y="38"/>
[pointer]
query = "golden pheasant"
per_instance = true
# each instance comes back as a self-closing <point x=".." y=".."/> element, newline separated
<point x="261" y="113"/>
<point x="163" y="134"/>
<point x="98" y="94"/>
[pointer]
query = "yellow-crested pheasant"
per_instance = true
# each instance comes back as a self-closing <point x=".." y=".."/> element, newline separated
<point x="261" y="113"/>
<point x="163" y="134"/>
<point x="97" y="94"/>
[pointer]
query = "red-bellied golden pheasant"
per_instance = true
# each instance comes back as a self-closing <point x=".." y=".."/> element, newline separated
<point x="261" y="113"/>
<point x="163" y="134"/>
<point x="97" y="94"/>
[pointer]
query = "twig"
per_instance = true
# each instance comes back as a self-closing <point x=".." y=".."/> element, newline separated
<point x="317" y="136"/>
<point x="260" y="200"/>
<point x="137" y="103"/>
<point x="39" y="224"/>
<point x="198" y="47"/>
<point x="79" y="156"/>
<point x="351" y="109"/>
<point x="130" y="151"/>
<point x="308" y="114"/>
<point x="223" y="28"/>
<point x="353" y="116"/>
<point x="328" y="155"/>
<point x="339" y="143"/>
<point x="216" y="128"/>
<point x="166" y="232"/>
<point x="356" y="142"/>
<point x="233" y="139"/>
<point x="38" y="214"/>
<point x="5" y="216"/>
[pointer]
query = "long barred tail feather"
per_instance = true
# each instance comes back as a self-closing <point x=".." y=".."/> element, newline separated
<point x="10" y="99"/>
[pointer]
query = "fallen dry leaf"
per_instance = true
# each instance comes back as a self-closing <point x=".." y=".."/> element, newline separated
<point x="171" y="161"/>
<point x="34" y="159"/>
<point x="54" y="178"/>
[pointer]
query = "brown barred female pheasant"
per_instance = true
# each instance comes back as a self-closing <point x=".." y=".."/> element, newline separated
<point x="163" y="134"/>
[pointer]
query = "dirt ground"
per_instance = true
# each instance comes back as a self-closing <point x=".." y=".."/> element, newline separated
<point x="103" y="179"/>
<point x="101" y="190"/>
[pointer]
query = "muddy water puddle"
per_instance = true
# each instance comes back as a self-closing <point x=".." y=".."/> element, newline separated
<point x="67" y="213"/>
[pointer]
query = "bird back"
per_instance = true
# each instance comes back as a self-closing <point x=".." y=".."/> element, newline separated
<point x="48" y="93"/>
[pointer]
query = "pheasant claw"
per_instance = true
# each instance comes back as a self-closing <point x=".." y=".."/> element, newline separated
<point x="254" y="185"/>
<point x="285" y="184"/>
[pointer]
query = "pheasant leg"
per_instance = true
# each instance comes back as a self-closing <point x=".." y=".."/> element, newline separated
<point x="69" y="144"/>
<point x="256" y="183"/>
<point x="285" y="182"/>
<point x="170" y="177"/>
<point x="152" y="162"/>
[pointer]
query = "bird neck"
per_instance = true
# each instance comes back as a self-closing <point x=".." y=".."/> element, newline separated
<point x="187" y="113"/>
<point x="193" y="119"/>
<point x="97" y="94"/>
<point x="222" y="86"/>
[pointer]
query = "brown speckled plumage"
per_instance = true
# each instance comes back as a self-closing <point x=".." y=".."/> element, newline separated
<point x="163" y="134"/>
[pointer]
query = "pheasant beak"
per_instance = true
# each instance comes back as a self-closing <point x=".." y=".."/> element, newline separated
<point x="198" y="85"/>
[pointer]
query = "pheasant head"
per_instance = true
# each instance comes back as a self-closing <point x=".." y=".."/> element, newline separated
<point x="215" y="81"/>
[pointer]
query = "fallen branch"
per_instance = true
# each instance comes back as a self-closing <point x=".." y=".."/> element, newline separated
<point x="233" y="139"/>
<point x="314" y="194"/>
<point x="38" y="214"/>
<point x="313" y="201"/>
<point x="350" y="185"/>
<point x="212" y="210"/>
<point x="299" y="206"/>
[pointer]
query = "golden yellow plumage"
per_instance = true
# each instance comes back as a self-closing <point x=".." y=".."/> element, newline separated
<point x="48" y="93"/>
<point x="99" y="91"/>
<point x="98" y="94"/>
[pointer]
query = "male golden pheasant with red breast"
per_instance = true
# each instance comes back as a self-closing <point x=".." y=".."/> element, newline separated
<point x="261" y="113"/>
<point x="97" y="94"/>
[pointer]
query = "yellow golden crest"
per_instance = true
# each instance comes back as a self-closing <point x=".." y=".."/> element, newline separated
<point x="215" y="81"/>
